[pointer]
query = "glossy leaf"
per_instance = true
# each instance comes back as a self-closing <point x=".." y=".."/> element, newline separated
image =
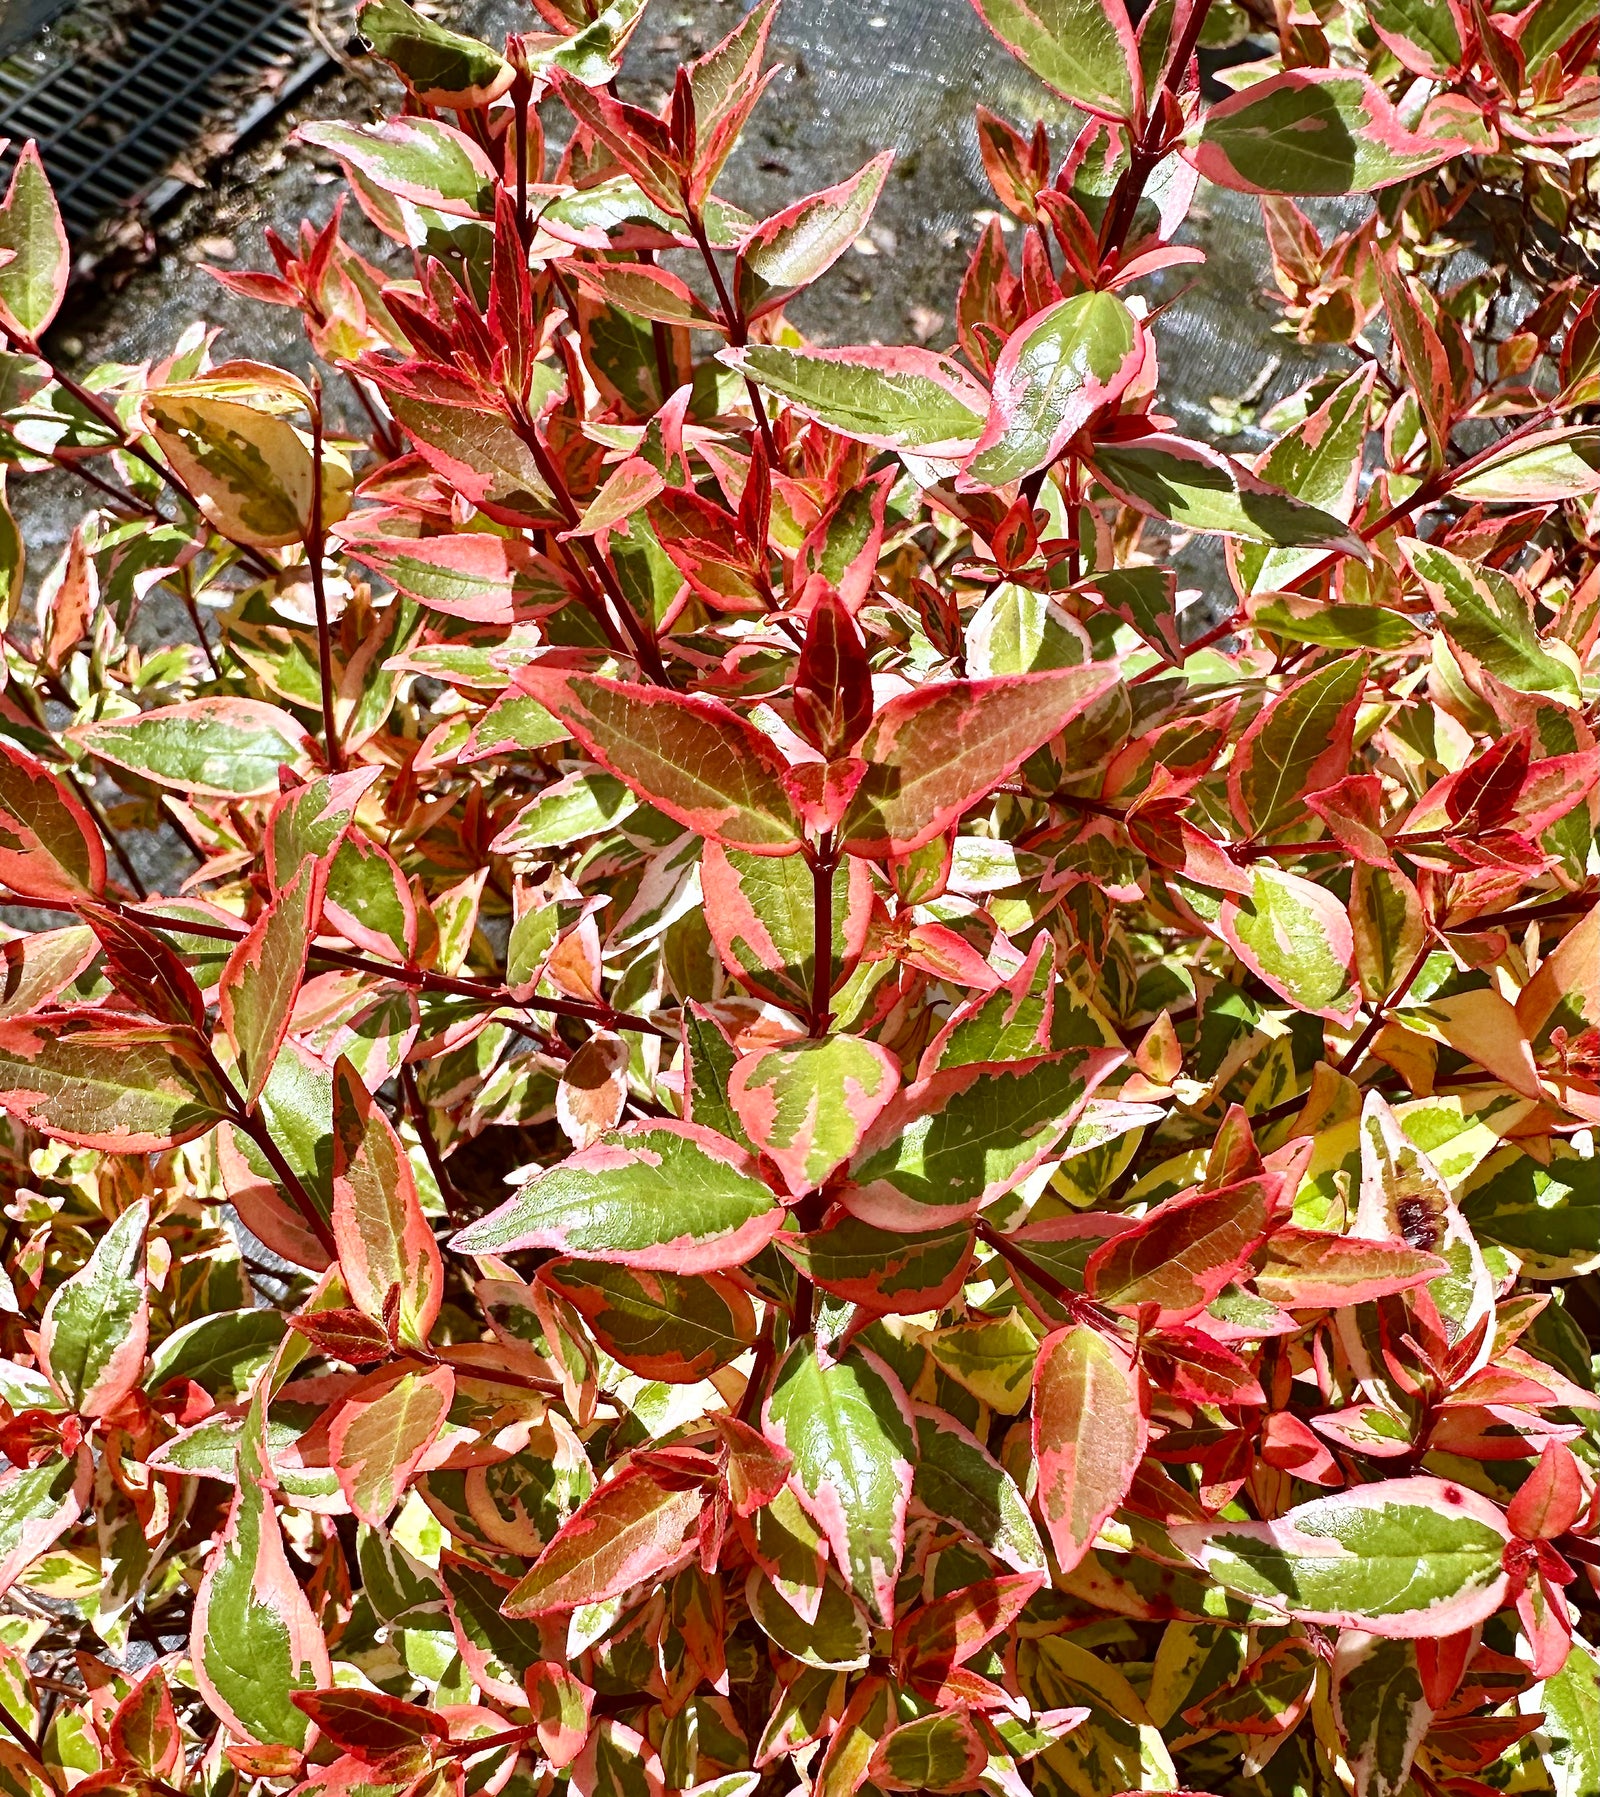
<point x="848" y="1425"/>
<point x="661" y="1195"/>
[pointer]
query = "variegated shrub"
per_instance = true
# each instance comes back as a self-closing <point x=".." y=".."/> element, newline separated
<point x="799" y="1130"/>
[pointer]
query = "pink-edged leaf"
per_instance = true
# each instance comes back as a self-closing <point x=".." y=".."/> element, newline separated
<point x="262" y="978"/>
<point x="478" y="575"/>
<point x="1089" y="1434"/>
<point x="637" y="1526"/>
<point x="561" y="1704"/>
<point x="384" y="1241"/>
<point x="143" y="1730"/>
<point x="215" y="747"/>
<point x="380" y="1433"/>
<point x="691" y="757"/>
<point x="254" y="1641"/>
<point x="95" y="1080"/>
<point x="1053" y="375"/>
<point x="1324" y="131"/>
<point x="677" y="1328"/>
<point x="1299" y="743"/>
<point x="309" y="822"/>
<point x="808" y="1104"/>
<point x="935" y="752"/>
<point x="947" y="1145"/>
<point x="951" y="1629"/>
<point x="796" y="246"/>
<point x="370" y="1724"/>
<point x="38" y="1504"/>
<point x="419" y="160"/>
<point x="761" y="913"/>
<point x="657" y="1193"/>
<point x="1305" y="1269"/>
<point x="1085" y="49"/>
<point x="97" y="1325"/>
<point x="50" y="850"/>
<point x="33" y="276"/>
<point x="1185" y="1252"/>
<point x="1296" y="936"/>
<point x="848" y="1424"/>
<point x="1406" y="1558"/>
<point x="899" y="399"/>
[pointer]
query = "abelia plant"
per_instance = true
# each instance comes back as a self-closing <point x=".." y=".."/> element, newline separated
<point x="798" y="1129"/>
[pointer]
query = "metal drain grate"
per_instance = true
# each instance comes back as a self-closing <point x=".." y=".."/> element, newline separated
<point x="110" y="125"/>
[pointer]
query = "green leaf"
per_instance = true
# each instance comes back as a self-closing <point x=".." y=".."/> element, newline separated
<point x="960" y="1480"/>
<point x="296" y="1105"/>
<point x="91" y="1079"/>
<point x="1019" y="631"/>
<point x="947" y="1145"/>
<point x="218" y="748"/>
<point x="933" y="752"/>
<point x="1084" y="49"/>
<point x="897" y="399"/>
<point x="415" y="159"/>
<point x="835" y="1636"/>
<point x="848" y="1425"/>
<point x="1299" y="743"/>
<point x="442" y="68"/>
<point x="222" y="1353"/>
<point x="97" y="1324"/>
<point x="594" y="54"/>
<point x="657" y="1194"/>
<point x="251" y="471"/>
<point x="1378" y="1703"/>
<point x="1322" y="131"/>
<point x="1549" y="1216"/>
<point x="1317" y="460"/>
<point x="992" y="1356"/>
<point x="1423" y="34"/>
<point x="761" y="913"/>
<point x="796" y="246"/>
<point x="37" y="1505"/>
<point x="1202" y="489"/>
<point x="1296" y="936"/>
<point x="34" y="281"/>
<point x="675" y="1327"/>
<point x="1571" y="1704"/>
<point x="50" y="849"/>
<point x="583" y="804"/>
<point x="497" y="1649"/>
<point x="691" y="757"/>
<point x="1089" y="1435"/>
<point x="1408" y="1558"/>
<point x="808" y="1104"/>
<point x="254" y="1641"/>
<point x="1052" y="376"/>
<point x="1489" y="620"/>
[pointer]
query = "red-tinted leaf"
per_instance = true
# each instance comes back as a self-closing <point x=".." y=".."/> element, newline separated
<point x="50" y="850"/>
<point x="690" y="757"/>
<point x="1089" y="1435"/>
<point x="384" y="1242"/>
